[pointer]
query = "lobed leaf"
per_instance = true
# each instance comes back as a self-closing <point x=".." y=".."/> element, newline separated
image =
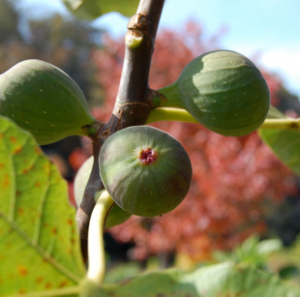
<point x="39" y="244"/>
<point x="284" y="143"/>
<point x="92" y="9"/>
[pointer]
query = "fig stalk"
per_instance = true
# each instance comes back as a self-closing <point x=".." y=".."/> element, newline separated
<point x="96" y="268"/>
<point x="170" y="114"/>
<point x="181" y="115"/>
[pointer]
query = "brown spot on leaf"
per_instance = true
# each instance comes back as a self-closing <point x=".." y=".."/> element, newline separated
<point x="9" y="244"/>
<point x="6" y="181"/>
<point x="18" y="193"/>
<point x="48" y="286"/>
<point x="37" y="184"/>
<point x="37" y="150"/>
<point x="62" y="284"/>
<point x="70" y="222"/>
<point x="24" y="171"/>
<point x="13" y="139"/>
<point x="22" y="291"/>
<point x="39" y="280"/>
<point x="22" y="270"/>
<point x="1" y="165"/>
<point x="18" y="150"/>
<point x="1" y="135"/>
<point x="54" y="231"/>
<point x="20" y="211"/>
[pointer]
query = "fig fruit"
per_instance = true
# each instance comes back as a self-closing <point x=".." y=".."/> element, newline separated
<point x="116" y="215"/>
<point x="44" y="100"/>
<point x="146" y="171"/>
<point x="223" y="90"/>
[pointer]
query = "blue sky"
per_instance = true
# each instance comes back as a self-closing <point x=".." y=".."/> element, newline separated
<point x="268" y="27"/>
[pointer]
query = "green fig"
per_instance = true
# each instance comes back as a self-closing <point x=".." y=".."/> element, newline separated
<point x="44" y="100"/>
<point x="146" y="171"/>
<point x="116" y="215"/>
<point x="223" y="90"/>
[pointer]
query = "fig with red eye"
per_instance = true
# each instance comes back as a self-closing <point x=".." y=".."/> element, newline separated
<point x="145" y="170"/>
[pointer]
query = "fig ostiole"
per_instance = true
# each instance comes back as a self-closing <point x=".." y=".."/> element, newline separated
<point x="146" y="171"/>
<point x="223" y="90"/>
<point x="44" y="100"/>
<point x="116" y="215"/>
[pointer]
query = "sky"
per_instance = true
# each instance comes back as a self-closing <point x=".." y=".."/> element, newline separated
<point x="267" y="28"/>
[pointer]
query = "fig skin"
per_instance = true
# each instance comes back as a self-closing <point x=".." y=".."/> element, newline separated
<point x="146" y="171"/>
<point x="224" y="91"/>
<point x="44" y="100"/>
<point x="116" y="215"/>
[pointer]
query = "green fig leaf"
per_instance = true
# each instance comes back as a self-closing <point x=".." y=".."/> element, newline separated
<point x="225" y="279"/>
<point x="92" y="9"/>
<point x="39" y="246"/>
<point x="284" y="143"/>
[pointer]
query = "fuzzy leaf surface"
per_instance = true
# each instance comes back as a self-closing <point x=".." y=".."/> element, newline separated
<point x="39" y="245"/>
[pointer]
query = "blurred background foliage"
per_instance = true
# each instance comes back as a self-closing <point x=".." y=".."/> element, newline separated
<point x="239" y="188"/>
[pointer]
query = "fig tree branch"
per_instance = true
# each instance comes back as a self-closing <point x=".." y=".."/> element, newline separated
<point x="133" y="103"/>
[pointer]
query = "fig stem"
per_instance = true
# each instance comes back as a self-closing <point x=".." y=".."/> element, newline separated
<point x="181" y="115"/>
<point x="287" y="123"/>
<point x="170" y="114"/>
<point x="96" y="269"/>
<point x="169" y="96"/>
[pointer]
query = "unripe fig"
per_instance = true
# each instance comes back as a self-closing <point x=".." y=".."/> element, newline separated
<point x="146" y="171"/>
<point x="116" y="215"/>
<point x="224" y="91"/>
<point x="44" y="100"/>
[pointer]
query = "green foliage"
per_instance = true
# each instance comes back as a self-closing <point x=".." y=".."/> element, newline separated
<point x="226" y="279"/>
<point x="145" y="170"/>
<point x="252" y="252"/>
<point x="224" y="91"/>
<point x="285" y="262"/>
<point x="39" y="247"/>
<point x="122" y="272"/>
<point x="284" y="143"/>
<point x="44" y="100"/>
<point x="91" y="9"/>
